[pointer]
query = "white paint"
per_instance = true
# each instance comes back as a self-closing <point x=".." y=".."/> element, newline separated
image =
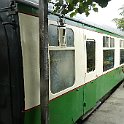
<point x="98" y="55"/>
<point x="79" y="59"/>
<point x="29" y="30"/>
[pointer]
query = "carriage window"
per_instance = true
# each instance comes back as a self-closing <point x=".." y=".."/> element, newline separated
<point x="62" y="61"/>
<point x="108" y="42"/>
<point x="122" y="52"/>
<point x="121" y="56"/>
<point x="53" y="36"/>
<point x="105" y="41"/>
<point x="62" y="69"/>
<point x="108" y="59"/>
<point x="112" y="42"/>
<point x="70" y="37"/>
<point x="90" y="47"/>
<point x="121" y="43"/>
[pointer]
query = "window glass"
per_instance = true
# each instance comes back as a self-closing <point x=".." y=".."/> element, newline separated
<point x="62" y="69"/>
<point x="69" y="37"/>
<point x="90" y="46"/>
<point x="112" y="42"/>
<point x="105" y="41"/>
<point x="121" y="56"/>
<point x="108" y="59"/>
<point x="53" y="36"/>
<point x="122" y="43"/>
<point x="34" y="1"/>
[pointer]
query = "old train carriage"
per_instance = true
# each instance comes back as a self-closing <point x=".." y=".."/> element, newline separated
<point x="83" y="68"/>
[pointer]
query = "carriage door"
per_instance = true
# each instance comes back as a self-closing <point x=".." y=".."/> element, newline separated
<point x="90" y="74"/>
<point x="11" y="81"/>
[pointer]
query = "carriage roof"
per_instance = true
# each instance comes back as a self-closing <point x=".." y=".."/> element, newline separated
<point x="87" y="24"/>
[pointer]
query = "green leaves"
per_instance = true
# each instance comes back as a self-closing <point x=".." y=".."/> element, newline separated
<point x="120" y="21"/>
<point x="95" y="9"/>
<point x="102" y="3"/>
<point x="78" y="6"/>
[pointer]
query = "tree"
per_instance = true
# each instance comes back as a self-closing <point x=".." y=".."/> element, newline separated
<point x="77" y="6"/>
<point x="120" y="21"/>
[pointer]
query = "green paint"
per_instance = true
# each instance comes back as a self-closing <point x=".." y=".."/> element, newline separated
<point x="67" y="108"/>
<point x="89" y="96"/>
<point x="105" y="83"/>
<point x="32" y="116"/>
<point x="30" y="10"/>
<point x="96" y="89"/>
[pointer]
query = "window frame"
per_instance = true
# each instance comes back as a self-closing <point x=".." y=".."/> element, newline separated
<point x="110" y="39"/>
<point x="67" y="28"/>
<point x="109" y="61"/>
<point x="109" y="48"/>
<point x="121" y="45"/>
<point x="65" y="48"/>
<point x="90" y="40"/>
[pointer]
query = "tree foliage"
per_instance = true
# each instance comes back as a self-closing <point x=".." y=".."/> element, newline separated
<point x="120" y="21"/>
<point x="77" y="6"/>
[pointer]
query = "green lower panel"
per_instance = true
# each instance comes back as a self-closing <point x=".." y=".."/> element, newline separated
<point x="67" y="108"/>
<point x="32" y="116"/>
<point x="106" y="82"/>
<point x="96" y="89"/>
<point x="89" y="96"/>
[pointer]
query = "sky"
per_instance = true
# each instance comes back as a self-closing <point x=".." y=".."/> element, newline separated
<point x="104" y="16"/>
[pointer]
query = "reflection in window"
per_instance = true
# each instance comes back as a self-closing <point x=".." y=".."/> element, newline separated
<point x="112" y="42"/>
<point x="90" y="46"/>
<point x="108" y="42"/>
<point x="69" y="37"/>
<point x="53" y="36"/>
<point x="122" y="43"/>
<point x="105" y="41"/>
<point x="33" y="1"/>
<point x="121" y="56"/>
<point x="108" y="59"/>
<point x="62" y="69"/>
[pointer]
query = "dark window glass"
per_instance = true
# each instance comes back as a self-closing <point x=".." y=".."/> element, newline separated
<point x="62" y="69"/>
<point x="69" y="37"/>
<point x="112" y="42"/>
<point x="122" y="43"/>
<point x="90" y="46"/>
<point x="105" y="41"/>
<point x="53" y="36"/>
<point x="108" y="59"/>
<point x="121" y="56"/>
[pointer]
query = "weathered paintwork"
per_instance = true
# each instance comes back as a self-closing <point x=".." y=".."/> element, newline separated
<point x="69" y="107"/>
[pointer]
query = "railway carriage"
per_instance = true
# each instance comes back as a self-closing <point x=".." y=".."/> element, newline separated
<point x="86" y="62"/>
